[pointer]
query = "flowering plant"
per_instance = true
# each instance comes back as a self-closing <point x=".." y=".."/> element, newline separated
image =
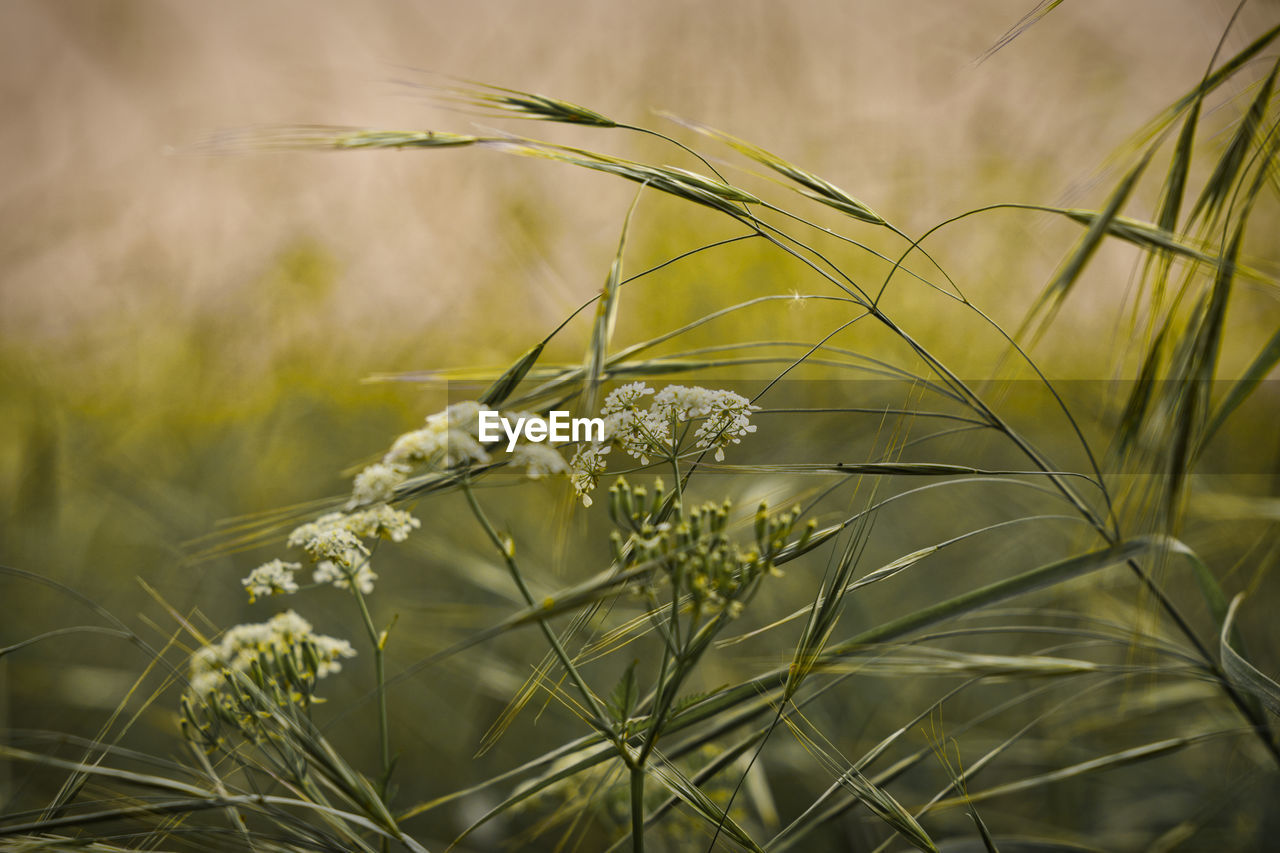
<point x="675" y="741"/>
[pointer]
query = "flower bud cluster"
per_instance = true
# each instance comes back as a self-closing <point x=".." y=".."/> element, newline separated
<point x="694" y="550"/>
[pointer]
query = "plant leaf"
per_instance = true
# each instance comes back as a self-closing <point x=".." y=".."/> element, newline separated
<point x="887" y="809"/>
<point x="1070" y="270"/>
<point x="501" y="389"/>
<point x="606" y="319"/>
<point x="623" y="698"/>
<point x="1243" y="674"/>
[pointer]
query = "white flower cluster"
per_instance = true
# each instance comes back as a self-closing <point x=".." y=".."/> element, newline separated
<point x="273" y="578"/>
<point x="447" y="440"/>
<point x="638" y="431"/>
<point x="283" y="635"/>
<point x="333" y="542"/>
<point x="653" y="430"/>
<point x="451" y="438"/>
<point x="538" y="460"/>
<point x="727" y="419"/>
<point x="585" y="469"/>
<point x="381" y="520"/>
<point x="343" y="577"/>
<point x="377" y="484"/>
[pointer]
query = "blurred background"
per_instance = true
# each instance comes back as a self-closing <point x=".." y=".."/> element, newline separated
<point x="185" y="333"/>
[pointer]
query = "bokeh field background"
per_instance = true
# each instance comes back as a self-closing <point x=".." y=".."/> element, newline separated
<point x="187" y="330"/>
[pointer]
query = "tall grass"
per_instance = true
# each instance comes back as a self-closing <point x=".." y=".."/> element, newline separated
<point x="800" y="497"/>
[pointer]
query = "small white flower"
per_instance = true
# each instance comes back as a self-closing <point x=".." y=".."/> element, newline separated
<point x="303" y="534"/>
<point x="462" y="448"/>
<point x="382" y="520"/>
<point x="728" y="417"/>
<point x="625" y="397"/>
<point x="417" y="446"/>
<point x="376" y="484"/>
<point x="638" y="432"/>
<point x="335" y="542"/>
<point x="282" y="635"/>
<point x="463" y="417"/>
<point x="585" y="469"/>
<point x="273" y="578"/>
<point x="682" y="403"/>
<point x="329" y="650"/>
<point x="538" y="460"/>
<point x="341" y="577"/>
<point x="448" y="439"/>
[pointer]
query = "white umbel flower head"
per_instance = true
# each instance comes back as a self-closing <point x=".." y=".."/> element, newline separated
<point x="376" y="484"/>
<point x="381" y="520"/>
<point x="334" y="541"/>
<point x="682" y="403"/>
<point x="728" y="419"/>
<point x="638" y="431"/>
<point x="282" y="636"/>
<point x="312" y="530"/>
<point x="448" y="439"/>
<point x="342" y="577"/>
<point x="624" y="397"/>
<point x="538" y="460"/>
<point x="273" y="578"/>
<point x="585" y="469"/>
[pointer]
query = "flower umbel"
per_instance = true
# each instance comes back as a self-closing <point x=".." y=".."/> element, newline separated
<point x="447" y="441"/>
<point x="272" y="578"/>
<point x="657" y="430"/>
<point x="728" y="419"/>
<point x="333" y="542"/>
<point x="241" y="682"/>
<point x="284" y="635"/>
<point x="585" y="469"/>
<point x="377" y="484"/>
<point x="538" y="460"/>
<point x="342" y="577"/>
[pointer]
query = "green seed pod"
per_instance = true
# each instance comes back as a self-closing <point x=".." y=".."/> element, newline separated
<point x="256" y="675"/>
<point x="628" y="509"/>
<point x="311" y="657"/>
<point x="807" y="534"/>
<point x="615" y="506"/>
<point x="659" y="488"/>
<point x="290" y="668"/>
<point x="639" y="503"/>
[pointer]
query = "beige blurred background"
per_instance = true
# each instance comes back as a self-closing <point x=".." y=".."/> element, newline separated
<point x="98" y="224"/>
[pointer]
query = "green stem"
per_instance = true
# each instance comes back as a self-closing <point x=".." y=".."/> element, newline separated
<point x="637" y="808"/>
<point x="380" y="674"/>
<point x="679" y="487"/>
<point x="508" y="556"/>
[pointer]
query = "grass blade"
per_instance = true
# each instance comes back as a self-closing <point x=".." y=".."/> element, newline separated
<point x="1242" y="673"/>
<point x="1062" y="283"/>
<point x="605" y="321"/>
